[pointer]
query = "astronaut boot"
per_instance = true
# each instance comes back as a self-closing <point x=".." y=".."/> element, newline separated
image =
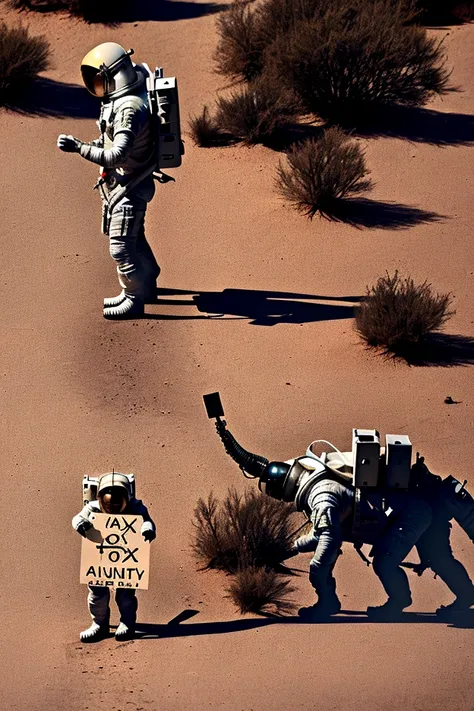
<point x="127" y="309"/>
<point x="112" y="301"/>
<point x="390" y="610"/>
<point x="95" y="632"/>
<point x="124" y="632"/>
<point x="321" y="610"/>
<point x="132" y="304"/>
<point x="460" y="604"/>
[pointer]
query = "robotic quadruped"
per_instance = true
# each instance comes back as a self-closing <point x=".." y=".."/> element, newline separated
<point x="370" y="495"/>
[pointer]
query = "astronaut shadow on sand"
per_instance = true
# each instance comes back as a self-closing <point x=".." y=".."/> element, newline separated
<point x="261" y="308"/>
<point x="270" y="308"/>
<point x="47" y="97"/>
<point x="177" y="627"/>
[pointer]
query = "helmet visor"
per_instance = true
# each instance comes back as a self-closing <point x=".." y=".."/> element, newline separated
<point x="113" y="500"/>
<point x="93" y="80"/>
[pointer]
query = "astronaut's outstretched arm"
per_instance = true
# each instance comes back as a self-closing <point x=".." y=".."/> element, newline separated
<point x="306" y="543"/>
<point x="106" y="157"/>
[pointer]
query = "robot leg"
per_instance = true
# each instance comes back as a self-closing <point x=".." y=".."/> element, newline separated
<point x="406" y="528"/>
<point x="321" y="577"/>
<point x="98" y="601"/>
<point x="435" y="551"/>
<point x="459" y="503"/>
<point x="324" y="584"/>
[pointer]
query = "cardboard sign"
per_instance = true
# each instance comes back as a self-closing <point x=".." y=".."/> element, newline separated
<point x="114" y="553"/>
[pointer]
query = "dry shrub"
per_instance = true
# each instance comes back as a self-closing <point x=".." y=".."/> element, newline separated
<point x="321" y="172"/>
<point x="344" y="59"/>
<point x="246" y="29"/>
<point x="238" y="53"/>
<point x="22" y="58"/>
<point x="397" y="315"/>
<point x="257" y="111"/>
<point x="346" y="64"/>
<point x="245" y="530"/>
<point x="260" y="590"/>
<point x="204" y="130"/>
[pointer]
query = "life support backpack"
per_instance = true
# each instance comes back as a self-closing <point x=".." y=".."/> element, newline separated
<point x="163" y="101"/>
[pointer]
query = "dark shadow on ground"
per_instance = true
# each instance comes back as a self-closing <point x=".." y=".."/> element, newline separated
<point x="422" y="126"/>
<point x="410" y="123"/>
<point x="370" y="214"/>
<point x="442" y="14"/>
<point x="167" y="10"/>
<point x="440" y="349"/>
<point x="462" y="620"/>
<point x="139" y="11"/>
<point x="292" y="134"/>
<point x="46" y="97"/>
<point x="262" y="308"/>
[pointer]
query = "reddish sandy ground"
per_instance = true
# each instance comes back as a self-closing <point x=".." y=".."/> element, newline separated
<point x="84" y="395"/>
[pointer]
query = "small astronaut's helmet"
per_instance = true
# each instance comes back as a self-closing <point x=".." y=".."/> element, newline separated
<point x="108" y="71"/>
<point x="113" y="492"/>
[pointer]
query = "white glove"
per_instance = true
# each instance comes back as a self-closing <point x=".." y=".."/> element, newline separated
<point x="69" y="144"/>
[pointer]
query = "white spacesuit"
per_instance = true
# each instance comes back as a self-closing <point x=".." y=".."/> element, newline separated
<point x="113" y="496"/>
<point x="126" y="153"/>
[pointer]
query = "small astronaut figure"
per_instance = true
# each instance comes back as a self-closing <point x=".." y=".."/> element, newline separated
<point x="124" y="152"/>
<point x="113" y="497"/>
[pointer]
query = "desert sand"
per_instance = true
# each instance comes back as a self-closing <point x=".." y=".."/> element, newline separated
<point x="82" y="395"/>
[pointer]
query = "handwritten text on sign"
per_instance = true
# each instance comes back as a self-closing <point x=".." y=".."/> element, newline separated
<point x="115" y="554"/>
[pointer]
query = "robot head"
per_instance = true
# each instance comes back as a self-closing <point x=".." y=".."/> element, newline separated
<point x="113" y="492"/>
<point x="280" y="481"/>
<point x="108" y="71"/>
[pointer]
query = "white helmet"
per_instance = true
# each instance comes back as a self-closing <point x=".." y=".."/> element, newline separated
<point x="113" y="492"/>
<point x="108" y="71"/>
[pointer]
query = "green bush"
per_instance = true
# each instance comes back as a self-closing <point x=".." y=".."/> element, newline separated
<point x="397" y="315"/>
<point x="345" y="66"/>
<point x="321" y="172"/>
<point x="22" y="58"/>
<point x="256" y="112"/>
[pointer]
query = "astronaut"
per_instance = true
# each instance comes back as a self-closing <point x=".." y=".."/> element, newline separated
<point x="393" y="522"/>
<point x="113" y="497"/>
<point x="126" y="155"/>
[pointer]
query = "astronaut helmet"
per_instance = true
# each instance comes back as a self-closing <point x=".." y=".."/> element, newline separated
<point x="113" y="492"/>
<point x="108" y="71"/>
